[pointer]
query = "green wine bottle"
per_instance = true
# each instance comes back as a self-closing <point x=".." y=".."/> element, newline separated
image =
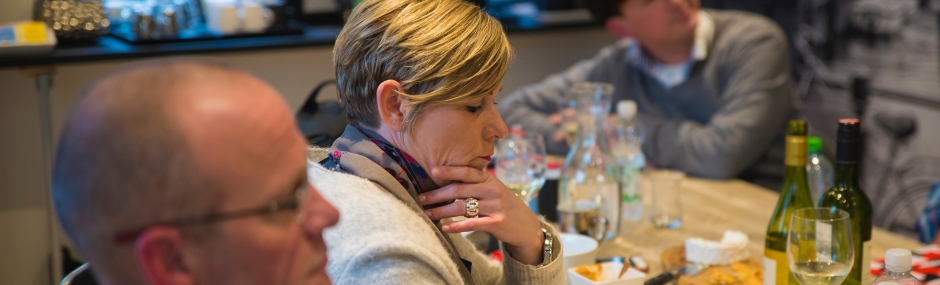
<point x="845" y="194"/>
<point x="795" y="195"/>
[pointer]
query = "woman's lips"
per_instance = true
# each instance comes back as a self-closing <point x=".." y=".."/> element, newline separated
<point x="488" y="157"/>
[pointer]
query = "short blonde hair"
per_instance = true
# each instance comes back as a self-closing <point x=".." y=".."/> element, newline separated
<point x="441" y="51"/>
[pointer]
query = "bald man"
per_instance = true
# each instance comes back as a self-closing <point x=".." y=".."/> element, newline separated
<point x="189" y="172"/>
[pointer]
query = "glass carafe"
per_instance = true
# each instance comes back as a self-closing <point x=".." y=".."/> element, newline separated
<point x="589" y="192"/>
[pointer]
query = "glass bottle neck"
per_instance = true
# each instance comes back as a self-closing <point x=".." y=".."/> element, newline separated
<point x="591" y="128"/>
<point x="846" y="175"/>
<point x="795" y="180"/>
<point x="795" y="173"/>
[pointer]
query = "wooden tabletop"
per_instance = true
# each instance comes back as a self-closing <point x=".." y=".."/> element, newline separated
<point x="711" y="207"/>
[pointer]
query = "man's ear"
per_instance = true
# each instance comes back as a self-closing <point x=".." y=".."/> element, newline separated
<point x="617" y="26"/>
<point x="391" y="104"/>
<point x="159" y="253"/>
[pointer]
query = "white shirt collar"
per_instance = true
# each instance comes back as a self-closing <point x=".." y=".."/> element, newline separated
<point x="704" y="34"/>
<point x="674" y="74"/>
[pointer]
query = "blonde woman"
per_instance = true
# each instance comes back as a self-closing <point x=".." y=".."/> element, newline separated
<point x="419" y="79"/>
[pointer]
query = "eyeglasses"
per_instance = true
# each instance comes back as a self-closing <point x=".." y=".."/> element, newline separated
<point x="272" y="207"/>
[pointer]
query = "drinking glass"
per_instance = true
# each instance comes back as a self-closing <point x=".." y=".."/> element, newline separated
<point x="820" y="248"/>
<point x="520" y="165"/>
<point x="666" y="210"/>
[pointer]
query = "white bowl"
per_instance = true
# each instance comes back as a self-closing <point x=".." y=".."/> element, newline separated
<point x="578" y="249"/>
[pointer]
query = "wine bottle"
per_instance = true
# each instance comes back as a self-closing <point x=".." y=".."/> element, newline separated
<point x="845" y="194"/>
<point x="794" y="195"/>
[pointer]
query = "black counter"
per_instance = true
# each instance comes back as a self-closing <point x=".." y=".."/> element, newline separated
<point x="112" y="48"/>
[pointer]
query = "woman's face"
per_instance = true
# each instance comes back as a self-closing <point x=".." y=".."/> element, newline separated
<point x="456" y="135"/>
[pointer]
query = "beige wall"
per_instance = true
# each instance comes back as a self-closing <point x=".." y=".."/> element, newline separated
<point x="24" y="234"/>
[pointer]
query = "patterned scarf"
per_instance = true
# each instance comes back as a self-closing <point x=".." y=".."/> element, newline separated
<point x="415" y="173"/>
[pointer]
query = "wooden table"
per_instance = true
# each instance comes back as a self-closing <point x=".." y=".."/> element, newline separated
<point x="711" y="207"/>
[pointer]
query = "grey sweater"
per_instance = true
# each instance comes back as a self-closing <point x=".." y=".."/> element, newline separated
<point x="384" y="237"/>
<point x="727" y="120"/>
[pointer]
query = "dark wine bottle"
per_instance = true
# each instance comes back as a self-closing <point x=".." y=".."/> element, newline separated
<point x="794" y="195"/>
<point x="846" y="195"/>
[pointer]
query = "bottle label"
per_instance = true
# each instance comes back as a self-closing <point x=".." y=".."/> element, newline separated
<point x="795" y="151"/>
<point x="866" y="262"/>
<point x="775" y="267"/>
<point x="629" y="181"/>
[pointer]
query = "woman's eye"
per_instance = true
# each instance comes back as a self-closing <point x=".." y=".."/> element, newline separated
<point x="474" y="109"/>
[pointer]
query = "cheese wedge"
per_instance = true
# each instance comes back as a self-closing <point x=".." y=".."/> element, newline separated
<point x="731" y="248"/>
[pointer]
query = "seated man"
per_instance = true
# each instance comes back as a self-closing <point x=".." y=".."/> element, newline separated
<point x="713" y="88"/>
<point x="189" y="172"/>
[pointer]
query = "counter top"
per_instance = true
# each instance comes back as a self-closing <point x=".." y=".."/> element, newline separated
<point x="111" y="48"/>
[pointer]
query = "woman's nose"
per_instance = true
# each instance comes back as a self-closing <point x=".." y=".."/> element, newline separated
<point x="496" y="129"/>
<point x="318" y="214"/>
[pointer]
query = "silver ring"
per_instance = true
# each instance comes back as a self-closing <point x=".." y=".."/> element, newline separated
<point x="473" y="207"/>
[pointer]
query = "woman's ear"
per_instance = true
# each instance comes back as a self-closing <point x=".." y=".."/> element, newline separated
<point x="617" y="26"/>
<point x="391" y="104"/>
<point x="159" y="253"/>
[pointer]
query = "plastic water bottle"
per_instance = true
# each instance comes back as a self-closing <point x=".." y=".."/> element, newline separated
<point x="897" y="269"/>
<point x="819" y="170"/>
<point x="626" y="138"/>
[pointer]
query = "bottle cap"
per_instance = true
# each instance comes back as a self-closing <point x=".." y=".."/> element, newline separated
<point x="898" y="260"/>
<point x="848" y="138"/>
<point x="797" y="128"/>
<point x="517" y="130"/>
<point x="814" y="144"/>
<point x="849" y="129"/>
<point x="626" y="109"/>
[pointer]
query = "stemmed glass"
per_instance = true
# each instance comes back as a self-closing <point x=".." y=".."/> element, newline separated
<point x="520" y="164"/>
<point x="820" y="248"/>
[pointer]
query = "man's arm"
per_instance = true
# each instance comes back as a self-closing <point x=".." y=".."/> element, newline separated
<point x="756" y="103"/>
<point x="532" y="106"/>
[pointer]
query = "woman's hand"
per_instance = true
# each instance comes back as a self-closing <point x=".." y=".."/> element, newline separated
<point x="501" y="213"/>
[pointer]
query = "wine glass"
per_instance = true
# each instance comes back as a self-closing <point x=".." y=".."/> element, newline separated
<point x="820" y="248"/>
<point x="520" y="164"/>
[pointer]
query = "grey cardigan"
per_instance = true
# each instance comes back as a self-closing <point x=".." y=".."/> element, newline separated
<point x="727" y="120"/>
<point x="384" y="237"/>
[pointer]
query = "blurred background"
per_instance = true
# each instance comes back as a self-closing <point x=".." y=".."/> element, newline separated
<point x="874" y="59"/>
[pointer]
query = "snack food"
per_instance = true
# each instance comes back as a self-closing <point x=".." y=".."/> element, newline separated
<point x="591" y="271"/>
<point x="747" y="272"/>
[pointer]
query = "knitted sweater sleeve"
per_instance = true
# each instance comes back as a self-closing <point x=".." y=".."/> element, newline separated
<point x="377" y="239"/>
<point x="394" y="264"/>
<point x="510" y="271"/>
